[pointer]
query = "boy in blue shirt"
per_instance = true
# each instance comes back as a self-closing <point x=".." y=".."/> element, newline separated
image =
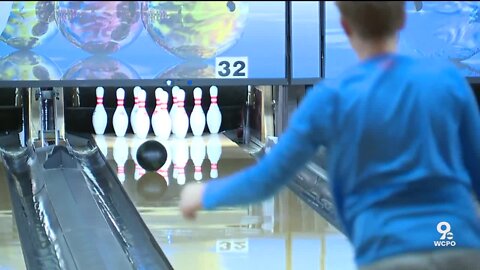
<point x="403" y="140"/>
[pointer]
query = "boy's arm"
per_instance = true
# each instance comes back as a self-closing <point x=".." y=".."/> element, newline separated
<point x="310" y="127"/>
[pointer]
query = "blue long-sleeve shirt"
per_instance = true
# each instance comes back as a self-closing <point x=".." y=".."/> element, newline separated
<point x="403" y="140"/>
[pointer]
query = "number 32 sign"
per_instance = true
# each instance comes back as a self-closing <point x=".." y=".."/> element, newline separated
<point x="231" y="67"/>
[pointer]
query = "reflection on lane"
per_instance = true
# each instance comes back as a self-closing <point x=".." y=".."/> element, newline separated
<point x="281" y="233"/>
<point x="11" y="256"/>
<point x="188" y="160"/>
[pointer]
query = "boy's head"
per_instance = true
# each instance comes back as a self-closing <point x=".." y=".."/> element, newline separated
<point x="372" y="20"/>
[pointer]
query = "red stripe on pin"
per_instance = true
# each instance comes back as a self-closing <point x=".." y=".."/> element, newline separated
<point x="214" y="166"/>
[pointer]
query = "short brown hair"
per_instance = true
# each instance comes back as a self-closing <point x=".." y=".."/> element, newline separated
<point x="373" y="19"/>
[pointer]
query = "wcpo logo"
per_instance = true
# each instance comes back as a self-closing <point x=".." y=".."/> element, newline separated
<point x="446" y="235"/>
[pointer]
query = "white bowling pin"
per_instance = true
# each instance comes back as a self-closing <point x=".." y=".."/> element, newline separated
<point x="120" y="155"/>
<point x="197" y="154"/>
<point x="197" y="118"/>
<point x="133" y="115"/>
<point x="161" y="122"/>
<point x="102" y="144"/>
<point x="214" y="152"/>
<point x="181" y="159"/>
<point x="214" y="116"/>
<point x="163" y="171"/>
<point x="173" y="110"/>
<point x="120" y="117"/>
<point x="174" y="152"/>
<point x="133" y="150"/>
<point x="142" y="118"/>
<point x="99" y="118"/>
<point x="181" y="118"/>
<point x="142" y="173"/>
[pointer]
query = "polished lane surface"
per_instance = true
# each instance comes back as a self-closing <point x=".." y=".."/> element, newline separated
<point x="10" y="249"/>
<point x="281" y="233"/>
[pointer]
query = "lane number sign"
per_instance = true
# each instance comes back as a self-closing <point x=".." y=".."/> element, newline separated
<point x="232" y="246"/>
<point x="231" y="67"/>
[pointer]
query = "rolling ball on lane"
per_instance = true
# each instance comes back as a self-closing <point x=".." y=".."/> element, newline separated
<point x="151" y="155"/>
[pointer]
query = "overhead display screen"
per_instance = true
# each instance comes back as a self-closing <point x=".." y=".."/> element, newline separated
<point x="305" y="39"/>
<point x="435" y="29"/>
<point x="141" y="40"/>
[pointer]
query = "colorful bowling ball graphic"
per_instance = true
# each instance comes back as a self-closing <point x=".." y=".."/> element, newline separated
<point x="5" y="9"/>
<point x="29" y="24"/>
<point x="99" y="27"/>
<point x="189" y="70"/>
<point x="100" y="67"/>
<point x="28" y="66"/>
<point x="195" y="29"/>
<point x="448" y="29"/>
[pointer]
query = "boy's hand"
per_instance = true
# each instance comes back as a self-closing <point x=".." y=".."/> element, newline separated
<point x="191" y="200"/>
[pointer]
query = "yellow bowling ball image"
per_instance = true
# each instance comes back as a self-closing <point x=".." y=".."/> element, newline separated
<point x="195" y="29"/>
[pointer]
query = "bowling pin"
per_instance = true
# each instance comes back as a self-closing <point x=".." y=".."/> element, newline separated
<point x="102" y="144"/>
<point x="133" y="115"/>
<point x="142" y="173"/>
<point x="197" y="118"/>
<point x="120" y="117"/>
<point x="180" y="122"/>
<point x="214" y="152"/>
<point x="142" y="118"/>
<point x="163" y="171"/>
<point x="214" y="116"/>
<point x="174" y="152"/>
<point x="161" y="122"/>
<point x="181" y="159"/>
<point x="173" y="110"/>
<point x="197" y="154"/>
<point x="120" y="155"/>
<point x="99" y="118"/>
<point x="133" y="150"/>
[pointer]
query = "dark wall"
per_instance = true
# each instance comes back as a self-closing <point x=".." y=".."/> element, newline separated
<point x="476" y="89"/>
<point x="10" y="116"/>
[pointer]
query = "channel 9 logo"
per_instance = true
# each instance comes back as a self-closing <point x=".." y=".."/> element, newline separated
<point x="446" y="235"/>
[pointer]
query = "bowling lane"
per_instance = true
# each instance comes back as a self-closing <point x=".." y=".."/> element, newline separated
<point x="281" y="233"/>
<point x="11" y="256"/>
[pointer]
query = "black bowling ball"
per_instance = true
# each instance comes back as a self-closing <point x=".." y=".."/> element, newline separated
<point x="151" y="186"/>
<point x="151" y="155"/>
